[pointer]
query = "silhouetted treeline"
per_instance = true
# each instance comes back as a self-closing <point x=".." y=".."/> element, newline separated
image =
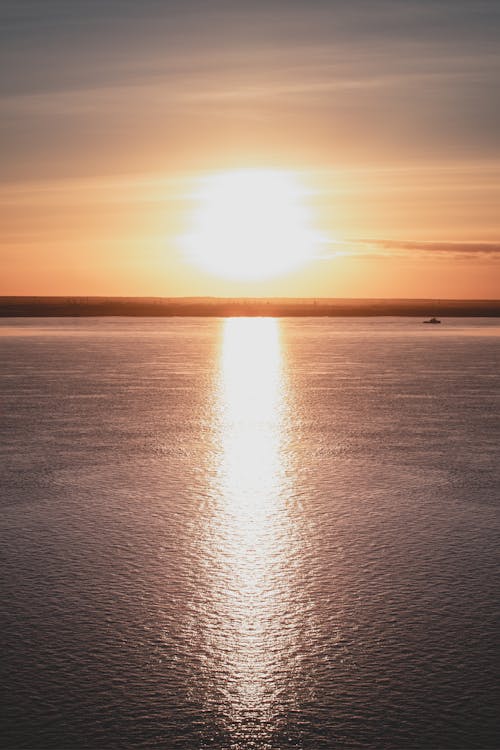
<point x="222" y="307"/>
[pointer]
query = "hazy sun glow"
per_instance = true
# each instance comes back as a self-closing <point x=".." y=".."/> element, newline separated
<point x="251" y="224"/>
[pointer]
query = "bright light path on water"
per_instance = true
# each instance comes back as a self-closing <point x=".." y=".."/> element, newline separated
<point x="250" y="534"/>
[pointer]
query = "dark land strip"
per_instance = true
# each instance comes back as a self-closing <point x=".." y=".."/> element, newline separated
<point x="225" y="307"/>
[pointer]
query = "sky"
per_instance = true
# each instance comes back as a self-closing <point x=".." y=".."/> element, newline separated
<point x="386" y="112"/>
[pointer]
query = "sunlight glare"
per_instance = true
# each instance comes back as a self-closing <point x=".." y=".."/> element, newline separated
<point x="250" y="531"/>
<point x="251" y="224"/>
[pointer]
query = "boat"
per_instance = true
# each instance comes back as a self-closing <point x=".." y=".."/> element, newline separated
<point x="432" y="321"/>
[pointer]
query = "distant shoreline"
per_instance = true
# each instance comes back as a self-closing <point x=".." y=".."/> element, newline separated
<point x="241" y="307"/>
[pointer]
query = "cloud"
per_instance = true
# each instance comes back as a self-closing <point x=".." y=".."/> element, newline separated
<point x="390" y="248"/>
<point x="116" y="84"/>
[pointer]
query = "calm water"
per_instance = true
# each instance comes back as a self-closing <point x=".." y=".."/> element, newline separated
<point x="249" y="533"/>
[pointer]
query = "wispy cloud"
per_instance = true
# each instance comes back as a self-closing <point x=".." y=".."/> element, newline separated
<point x="391" y="248"/>
<point x="87" y="78"/>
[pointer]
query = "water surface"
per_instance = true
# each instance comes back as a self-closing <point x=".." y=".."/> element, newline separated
<point x="249" y="533"/>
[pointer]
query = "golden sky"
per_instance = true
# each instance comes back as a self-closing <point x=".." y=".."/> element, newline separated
<point x="385" y="112"/>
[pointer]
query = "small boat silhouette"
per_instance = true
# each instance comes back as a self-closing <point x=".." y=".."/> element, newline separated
<point x="432" y="321"/>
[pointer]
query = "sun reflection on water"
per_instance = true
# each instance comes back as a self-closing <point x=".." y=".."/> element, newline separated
<point x="250" y="528"/>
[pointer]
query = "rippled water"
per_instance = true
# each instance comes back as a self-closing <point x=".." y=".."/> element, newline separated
<point x="249" y="533"/>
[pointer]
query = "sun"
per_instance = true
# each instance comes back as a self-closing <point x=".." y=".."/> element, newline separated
<point x="250" y="224"/>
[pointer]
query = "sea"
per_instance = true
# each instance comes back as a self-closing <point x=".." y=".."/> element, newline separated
<point x="249" y="533"/>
